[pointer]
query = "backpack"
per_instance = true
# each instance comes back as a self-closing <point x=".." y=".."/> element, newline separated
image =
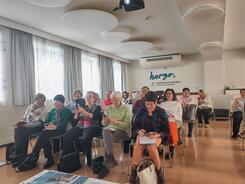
<point x="10" y="149"/>
<point x="146" y="172"/>
<point x="25" y="163"/>
<point x="69" y="162"/>
<point x="99" y="168"/>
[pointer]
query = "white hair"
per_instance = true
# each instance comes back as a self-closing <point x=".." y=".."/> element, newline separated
<point x="116" y="94"/>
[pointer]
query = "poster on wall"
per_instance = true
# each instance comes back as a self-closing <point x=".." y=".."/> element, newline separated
<point x="163" y="79"/>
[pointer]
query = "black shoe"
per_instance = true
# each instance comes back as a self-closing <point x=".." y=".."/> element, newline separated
<point x="234" y="136"/>
<point x="160" y="177"/>
<point x="49" y="163"/>
<point x="189" y="135"/>
<point x="133" y="176"/>
<point x="103" y="173"/>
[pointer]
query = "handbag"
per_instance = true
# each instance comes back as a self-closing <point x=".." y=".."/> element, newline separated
<point x="146" y="172"/>
<point x="69" y="162"/>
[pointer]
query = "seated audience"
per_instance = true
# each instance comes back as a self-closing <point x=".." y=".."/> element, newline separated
<point x="203" y="108"/>
<point x="89" y="126"/>
<point x="238" y="106"/>
<point x="174" y="112"/>
<point x="151" y="121"/>
<point x="107" y="101"/>
<point x="76" y="102"/>
<point x="126" y="99"/>
<point x="141" y="102"/>
<point x="56" y="124"/>
<point x="31" y="123"/>
<point x="188" y="104"/>
<point x="116" y="121"/>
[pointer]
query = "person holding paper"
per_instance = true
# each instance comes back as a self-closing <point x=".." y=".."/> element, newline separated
<point x="204" y="108"/>
<point x="31" y="123"/>
<point x="55" y="125"/>
<point x="152" y="122"/>
<point x="116" y="121"/>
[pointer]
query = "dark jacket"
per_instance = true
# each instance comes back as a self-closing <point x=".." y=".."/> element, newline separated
<point x="158" y="122"/>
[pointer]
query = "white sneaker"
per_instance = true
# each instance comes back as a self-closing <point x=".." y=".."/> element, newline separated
<point x="206" y="125"/>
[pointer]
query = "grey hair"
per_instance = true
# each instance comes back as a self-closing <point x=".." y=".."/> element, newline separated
<point x="89" y="94"/>
<point x="116" y="94"/>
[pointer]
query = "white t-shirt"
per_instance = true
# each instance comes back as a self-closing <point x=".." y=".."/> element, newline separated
<point x="173" y="107"/>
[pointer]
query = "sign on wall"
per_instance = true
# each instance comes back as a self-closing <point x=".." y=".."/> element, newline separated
<point x="158" y="79"/>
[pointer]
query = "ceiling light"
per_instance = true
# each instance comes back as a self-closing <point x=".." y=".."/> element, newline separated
<point x="130" y="5"/>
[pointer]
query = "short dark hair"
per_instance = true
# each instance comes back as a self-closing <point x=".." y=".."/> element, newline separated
<point x="243" y="89"/>
<point x="150" y="97"/>
<point x="78" y="91"/>
<point x="184" y="89"/>
<point x="59" y="98"/>
<point x="174" y="94"/>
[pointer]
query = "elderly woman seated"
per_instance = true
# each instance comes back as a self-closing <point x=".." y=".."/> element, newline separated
<point x="56" y="124"/>
<point x="188" y="104"/>
<point x="150" y="121"/>
<point x="116" y="121"/>
<point x="31" y="123"/>
<point x="204" y="108"/>
<point x="89" y="126"/>
<point x="76" y="102"/>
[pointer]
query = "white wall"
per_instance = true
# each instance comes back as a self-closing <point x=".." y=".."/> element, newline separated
<point x="189" y="75"/>
<point x="234" y="68"/>
<point x="214" y="77"/>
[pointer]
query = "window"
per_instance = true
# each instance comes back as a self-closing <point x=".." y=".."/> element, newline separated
<point x="49" y="67"/>
<point x="3" y="81"/>
<point x="90" y="72"/>
<point x="117" y="72"/>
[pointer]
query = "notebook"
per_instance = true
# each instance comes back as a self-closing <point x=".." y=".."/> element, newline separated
<point x="147" y="140"/>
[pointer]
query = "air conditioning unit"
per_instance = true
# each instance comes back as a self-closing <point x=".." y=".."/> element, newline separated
<point x="161" y="61"/>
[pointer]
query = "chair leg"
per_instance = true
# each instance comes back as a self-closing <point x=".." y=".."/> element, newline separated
<point x="122" y="154"/>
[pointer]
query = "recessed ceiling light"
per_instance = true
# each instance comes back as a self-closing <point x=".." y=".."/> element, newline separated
<point x="49" y="3"/>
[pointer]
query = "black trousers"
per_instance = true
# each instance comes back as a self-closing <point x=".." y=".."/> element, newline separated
<point x="84" y="143"/>
<point x="203" y="113"/>
<point x="237" y="119"/>
<point x="43" y="141"/>
<point x="21" y="137"/>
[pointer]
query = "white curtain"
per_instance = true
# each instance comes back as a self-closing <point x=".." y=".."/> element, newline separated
<point x="49" y="67"/>
<point x="123" y="75"/>
<point x="90" y="72"/>
<point x="106" y="74"/>
<point x="73" y="70"/>
<point x="3" y="79"/>
<point x="117" y="72"/>
<point x="22" y="67"/>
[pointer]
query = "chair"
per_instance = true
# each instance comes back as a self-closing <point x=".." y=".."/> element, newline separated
<point x="32" y="137"/>
<point x="162" y="147"/>
<point x="182" y="134"/>
<point x="242" y="135"/>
